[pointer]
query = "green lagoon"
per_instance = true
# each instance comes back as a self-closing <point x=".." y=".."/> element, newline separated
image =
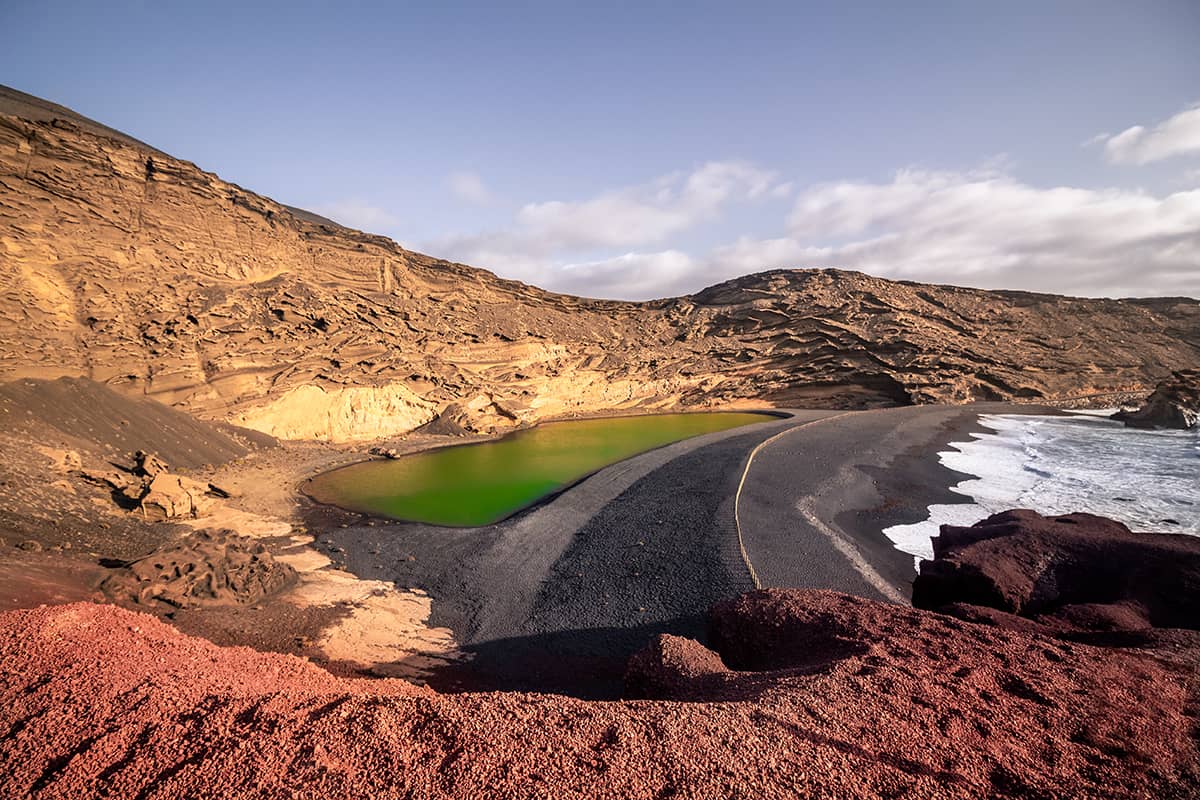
<point x="478" y="484"/>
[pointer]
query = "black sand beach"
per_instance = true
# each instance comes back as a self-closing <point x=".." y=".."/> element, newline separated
<point x="816" y="501"/>
<point x="557" y="598"/>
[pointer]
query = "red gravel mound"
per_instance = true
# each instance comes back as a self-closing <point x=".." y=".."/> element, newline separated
<point x="99" y="701"/>
<point x="1073" y="572"/>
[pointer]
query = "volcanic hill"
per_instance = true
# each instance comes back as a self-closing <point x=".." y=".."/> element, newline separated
<point x="130" y="267"/>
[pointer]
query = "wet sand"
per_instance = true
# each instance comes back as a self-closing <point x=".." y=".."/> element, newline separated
<point x="816" y="500"/>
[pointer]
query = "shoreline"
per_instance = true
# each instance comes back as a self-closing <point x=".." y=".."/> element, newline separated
<point x="907" y="499"/>
<point x="302" y="485"/>
<point x="916" y="479"/>
<point x="817" y="501"/>
<point x="554" y="583"/>
<point x="1062" y="463"/>
<point x="594" y="569"/>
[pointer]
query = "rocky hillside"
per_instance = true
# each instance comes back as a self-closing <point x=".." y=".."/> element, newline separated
<point x="127" y="266"/>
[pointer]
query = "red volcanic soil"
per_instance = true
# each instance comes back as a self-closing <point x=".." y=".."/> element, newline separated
<point x="839" y="697"/>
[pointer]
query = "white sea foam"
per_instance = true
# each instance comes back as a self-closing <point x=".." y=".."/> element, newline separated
<point x="1150" y="480"/>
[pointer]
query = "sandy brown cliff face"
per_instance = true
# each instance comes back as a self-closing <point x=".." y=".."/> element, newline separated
<point x="120" y="263"/>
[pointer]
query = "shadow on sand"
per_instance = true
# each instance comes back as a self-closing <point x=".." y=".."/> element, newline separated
<point x="586" y="663"/>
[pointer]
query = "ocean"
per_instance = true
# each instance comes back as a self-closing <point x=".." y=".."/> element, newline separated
<point x="1149" y="480"/>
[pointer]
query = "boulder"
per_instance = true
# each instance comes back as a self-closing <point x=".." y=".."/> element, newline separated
<point x="169" y="496"/>
<point x="112" y="478"/>
<point x="148" y="464"/>
<point x="1074" y="572"/>
<point x="1174" y="404"/>
<point x="128" y="489"/>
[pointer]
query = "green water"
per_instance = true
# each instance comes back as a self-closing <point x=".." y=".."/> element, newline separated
<point x="478" y="484"/>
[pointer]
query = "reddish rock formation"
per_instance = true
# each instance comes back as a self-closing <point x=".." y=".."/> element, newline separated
<point x="1175" y="403"/>
<point x="1076" y="571"/>
<point x="202" y="568"/>
<point x="98" y="701"/>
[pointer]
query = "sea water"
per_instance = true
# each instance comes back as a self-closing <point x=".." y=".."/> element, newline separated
<point x="1147" y="479"/>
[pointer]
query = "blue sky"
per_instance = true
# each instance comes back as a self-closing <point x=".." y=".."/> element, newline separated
<point x="648" y="149"/>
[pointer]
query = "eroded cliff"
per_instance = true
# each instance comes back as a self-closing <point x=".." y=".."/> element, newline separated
<point x="125" y="265"/>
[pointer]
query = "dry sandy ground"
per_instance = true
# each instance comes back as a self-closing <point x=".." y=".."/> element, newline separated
<point x="61" y="533"/>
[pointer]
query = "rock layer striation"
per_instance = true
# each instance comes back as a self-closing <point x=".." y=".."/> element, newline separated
<point x="141" y="271"/>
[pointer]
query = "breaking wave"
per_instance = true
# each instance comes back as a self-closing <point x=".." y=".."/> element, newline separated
<point x="1149" y="480"/>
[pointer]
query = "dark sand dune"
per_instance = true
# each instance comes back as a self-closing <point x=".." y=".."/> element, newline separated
<point x="77" y="412"/>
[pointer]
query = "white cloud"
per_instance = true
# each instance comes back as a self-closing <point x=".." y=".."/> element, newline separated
<point x="554" y="244"/>
<point x="1176" y="136"/>
<point x="469" y="187"/>
<point x="643" y="275"/>
<point x="782" y="190"/>
<point x="648" y="213"/>
<point x="979" y="228"/>
<point x="988" y="229"/>
<point x="358" y="214"/>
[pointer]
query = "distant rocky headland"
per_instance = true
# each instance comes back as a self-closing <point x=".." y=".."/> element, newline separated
<point x="141" y="271"/>
<point x="1174" y="403"/>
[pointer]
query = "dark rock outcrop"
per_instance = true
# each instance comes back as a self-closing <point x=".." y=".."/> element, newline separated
<point x="1076" y="572"/>
<point x="1175" y="403"/>
<point x="203" y="568"/>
